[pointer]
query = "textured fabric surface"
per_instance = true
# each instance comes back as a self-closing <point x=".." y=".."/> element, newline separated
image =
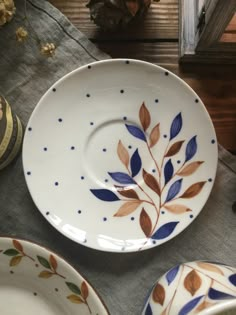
<point x="122" y="280"/>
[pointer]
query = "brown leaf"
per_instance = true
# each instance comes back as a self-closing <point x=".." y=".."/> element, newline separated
<point x="174" y="148"/>
<point x="204" y="305"/>
<point x="177" y="209"/>
<point x="192" y="282"/>
<point x="154" y="135"/>
<point x="84" y="290"/>
<point x="15" y="260"/>
<point x="151" y="182"/>
<point x="144" y="117"/>
<point x="193" y="190"/>
<point x="123" y="154"/>
<point x="53" y="262"/>
<point x="129" y="193"/>
<point x="17" y="245"/>
<point x="132" y="6"/>
<point x="127" y="208"/>
<point x="190" y="168"/>
<point x="158" y="294"/>
<point x="75" y="299"/>
<point x="145" y="223"/>
<point x="45" y="274"/>
<point x="210" y="267"/>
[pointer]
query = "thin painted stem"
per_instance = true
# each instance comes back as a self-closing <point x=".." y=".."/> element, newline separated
<point x="58" y="274"/>
<point x="154" y="160"/>
<point x="85" y="302"/>
<point x="25" y="255"/>
<point x="172" y="299"/>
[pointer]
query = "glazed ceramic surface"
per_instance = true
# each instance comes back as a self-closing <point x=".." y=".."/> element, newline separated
<point x="200" y="287"/>
<point x="120" y="155"/>
<point x="35" y="281"/>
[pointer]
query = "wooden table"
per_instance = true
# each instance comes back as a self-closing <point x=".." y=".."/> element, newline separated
<point x="156" y="40"/>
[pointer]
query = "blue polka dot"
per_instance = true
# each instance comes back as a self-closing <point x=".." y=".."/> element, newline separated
<point x="209" y="179"/>
<point x="165" y="136"/>
<point x="213" y="141"/>
<point x="130" y="146"/>
<point x="153" y="170"/>
<point x="88" y="95"/>
<point x="196" y="100"/>
<point x="91" y="123"/>
<point x="104" y="219"/>
<point x="191" y="216"/>
<point x="60" y="119"/>
<point x="178" y="161"/>
<point x="47" y="213"/>
<point x="156" y="100"/>
<point x="132" y="218"/>
<point x="123" y="248"/>
<point x="154" y="242"/>
<point x="29" y="129"/>
<point x="28" y="173"/>
<point x="166" y="73"/>
<point x="162" y="212"/>
<point x="54" y="89"/>
<point x="45" y="149"/>
<point x="85" y="241"/>
<point x="79" y="211"/>
<point x="89" y="67"/>
<point x="56" y="183"/>
<point x="72" y="148"/>
<point x="106" y="180"/>
<point x="104" y="150"/>
<point x="125" y="118"/>
<point x="121" y="91"/>
<point x="82" y="177"/>
<point x="127" y="62"/>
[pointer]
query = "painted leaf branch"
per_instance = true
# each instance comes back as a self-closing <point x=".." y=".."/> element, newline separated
<point x="16" y="253"/>
<point x="51" y="265"/>
<point x="79" y="295"/>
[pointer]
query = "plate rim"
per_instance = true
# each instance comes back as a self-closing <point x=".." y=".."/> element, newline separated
<point x="80" y="69"/>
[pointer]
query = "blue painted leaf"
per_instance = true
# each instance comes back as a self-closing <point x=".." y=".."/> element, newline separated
<point x="218" y="295"/>
<point x="171" y="274"/>
<point x="190" y="306"/>
<point x="232" y="279"/>
<point x="164" y="231"/>
<point x="191" y="149"/>
<point x="148" y="310"/>
<point x="136" y="132"/>
<point x="104" y="194"/>
<point x="168" y="171"/>
<point x="135" y="163"/>
<point x="174" y="190"/>
<point x="122" y="178"/>
<point x="176" y="126"/>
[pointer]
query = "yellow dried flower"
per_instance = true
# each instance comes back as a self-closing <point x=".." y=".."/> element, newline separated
<point x="7" y="10"/>
<point x="48" y="49"/>
<point x="21" y="34"/>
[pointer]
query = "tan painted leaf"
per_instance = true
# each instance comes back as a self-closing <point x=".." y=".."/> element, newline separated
<point x="144" y="117"/>
<point x="53" y="262"/>
<point x="84" y="290"/>
<point x="132" y="6"/>
<point x="45" y="274"/>
<point x="190" y="168"/>
<point x="210" y="267"/>
<point x="127" y="208"/>
<point x="145" y="223"/>
<point x="165" y="311"/>
<point x="192" y="282"/>
<point x="151" y="182"/>
<point x="123" y="154"/>
<point x="203" y="305"/>
<point x="128" y="193"/>
<point x="177" y="209"/>
<point x="15" y="261"/>
<point x="17" y="245"/>
<point x="174" y="148"/>
<point x="158" y="294"/>
<point x="193" y="190"/>
<point x="75" y="299"/>
<point x="154" y="135"/>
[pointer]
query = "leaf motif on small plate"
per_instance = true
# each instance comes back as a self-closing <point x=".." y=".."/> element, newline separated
<point x="158" y="294"/>
<point x="144" y="117"/>
<point x="193" y="190"/>
<point x="154" y="135"/>
<point x="123" y="154"/>
<point x="145" y="223"/>
<point x="127" y="208"/>
<point x="135" y="163"/>
<point x="210" y="267"/>
<point x="192" y="282"/>
<point x="190" y="168"/>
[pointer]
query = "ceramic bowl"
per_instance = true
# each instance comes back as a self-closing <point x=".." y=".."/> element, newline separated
<point x="120" y="155"/>
<point x="200" y="287"/>
<point x="33" y="280"/>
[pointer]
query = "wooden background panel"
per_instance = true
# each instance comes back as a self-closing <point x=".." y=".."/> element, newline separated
<point x="160" y="22"/>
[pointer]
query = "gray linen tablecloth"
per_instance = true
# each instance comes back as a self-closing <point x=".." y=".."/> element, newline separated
<point x="122" y="280"/>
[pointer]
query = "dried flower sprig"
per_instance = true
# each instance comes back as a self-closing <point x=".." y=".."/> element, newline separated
<point x="7" y="10"/>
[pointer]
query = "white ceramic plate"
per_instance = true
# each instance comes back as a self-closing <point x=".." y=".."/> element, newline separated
<point x="120" y="155"/>
<point x="34" y="280"/>
<point x="200" y="287"/>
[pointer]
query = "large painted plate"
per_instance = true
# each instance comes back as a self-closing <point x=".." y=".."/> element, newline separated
<point x="120" y="155"/>
<point x="33" y="280"/>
